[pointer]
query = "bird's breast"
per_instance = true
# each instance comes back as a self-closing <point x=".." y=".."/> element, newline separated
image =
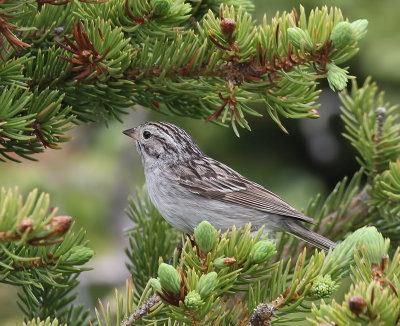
<point x="185" y="210"/>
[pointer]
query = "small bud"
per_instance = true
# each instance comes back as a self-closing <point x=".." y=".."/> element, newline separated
<point x="357" y="304"/>
<point x="342" y="35"/>
<point x="315" y="113"/>
<point x="156" y="285"/>
<point x="359" y="28"/>
<point x="380" y="111"/>
<point x="375" y="245"/>
<point x="323" y="286"/>
<point x="300" y="38"/>
<point x="223" y="261"/>
<point x="193" y="300"/>
<point x="368" y="236"/>
<point x="206" y="284"/>
<point x="206" y="236"/>
<point x="79" y="255"/>
<point x="228" y="26"/>
<point x="170" y="279"/>
<point x="262" y="314"/>
<point x="24" y="224"/>
<point x="161" y="7"/>
<point x="337" y="77"/>
<point x="262" y="251"/>
<point x="60" y="224"/>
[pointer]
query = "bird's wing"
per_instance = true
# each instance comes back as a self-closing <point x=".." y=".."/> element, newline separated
<point x="212" y="179"/>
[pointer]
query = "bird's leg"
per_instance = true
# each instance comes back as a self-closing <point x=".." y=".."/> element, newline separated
<point x="179" y="247"/>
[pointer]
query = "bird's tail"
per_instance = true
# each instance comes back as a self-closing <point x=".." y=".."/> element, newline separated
<point x="300" y="231"/>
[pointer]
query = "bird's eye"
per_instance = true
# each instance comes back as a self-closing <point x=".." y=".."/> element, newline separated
<point x="146" y="134"/>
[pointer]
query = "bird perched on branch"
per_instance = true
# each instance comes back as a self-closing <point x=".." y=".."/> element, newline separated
<point x="187" y="187"/>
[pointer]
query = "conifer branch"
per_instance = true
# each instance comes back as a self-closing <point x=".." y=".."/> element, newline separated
<point x="97" y="60"/>
<point x="69" y="61"/>
<point x="375" y="135"/>
<point x="373" y="297"/>
<point x="40" y="253"/>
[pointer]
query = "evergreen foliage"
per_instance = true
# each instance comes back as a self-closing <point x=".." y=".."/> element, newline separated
<point x="70" y="62"/>
<point x="40" y="253"/>
<point x="81" y="61"/>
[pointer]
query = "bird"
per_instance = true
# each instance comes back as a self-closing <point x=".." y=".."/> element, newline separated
<point x="187" y="186"/>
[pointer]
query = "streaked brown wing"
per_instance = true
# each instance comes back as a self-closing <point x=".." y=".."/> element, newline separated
<point x="217" y="181"/>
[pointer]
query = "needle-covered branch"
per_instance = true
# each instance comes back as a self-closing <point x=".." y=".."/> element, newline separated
<point x="372" y="126"/>
<point x="214" y="270"/>
<point x="41" y="255"/>
<point x="373" y="297"/>
<point x="94" y="60"/>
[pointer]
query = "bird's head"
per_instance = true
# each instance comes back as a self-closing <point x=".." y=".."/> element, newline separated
<point x="163" y="142"/>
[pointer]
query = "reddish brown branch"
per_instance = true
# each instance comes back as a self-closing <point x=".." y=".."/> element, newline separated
<point x="173" y="298"/>
<point x="86" y="58"/>
<point x="38" y="262"/>
<point x="58" y="226"/>
<point x="139" y="20"/>
<point x="277" y="35"/>
<point x="219" y="45"/>
<point x="296" y="17"/>
<point x="235" y="72"/>
<point x="190" y="64"/>
<point x="5" y="30"/>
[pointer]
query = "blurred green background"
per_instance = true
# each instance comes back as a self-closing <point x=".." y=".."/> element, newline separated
<point x="93" y="175"/>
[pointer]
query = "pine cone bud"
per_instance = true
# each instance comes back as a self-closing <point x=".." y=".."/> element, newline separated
<point x="357" y="304"/>
<point x="223" y="261"/>
<point x="262" y="251"/>
<point x="206" y="236"/>
<point x="375" y="245"/>
<point x="206" y="284"/>
<point x="24" y="224"/>
<point x="156" y="285"/>
<point x="79" y="255"/>
<point x="193" y="300"/>
<point x="368" y="236"/>
<point x="342" y="35"/>
<point x="61" y="224"/>
<point x="359" y="28"/>
<point x="380" y="111"/>
<point x="170" y="279"/>
<point x="262" y="315"/>
<point x="323" y="286"/>
<point x="315" y="113"/>
<point x="337" y="77"/>
<point x="161" y="7"/>
<point x="300" y="38"/>
<point x="228" y="26"/>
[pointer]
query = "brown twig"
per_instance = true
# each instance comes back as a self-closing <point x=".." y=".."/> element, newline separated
<point x="38" y="262"/>
<point x="141" y="311"/>
<point x="86" y="58"/>
<point x="139" y="20"/>
<point x="5" y="30"/>
<point x="58" y="226"/>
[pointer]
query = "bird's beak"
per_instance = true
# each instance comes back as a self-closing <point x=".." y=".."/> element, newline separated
<point x="131" y="133"/>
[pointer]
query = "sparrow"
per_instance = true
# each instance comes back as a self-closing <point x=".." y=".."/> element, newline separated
<point x="187" y="187"/>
